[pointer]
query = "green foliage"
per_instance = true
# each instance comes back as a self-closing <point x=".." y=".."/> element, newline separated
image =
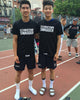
<point x="67" y="7"/>
<point x="16" y="14"/>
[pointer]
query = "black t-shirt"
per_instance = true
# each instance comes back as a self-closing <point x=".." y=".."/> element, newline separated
<point x="25" y="32"/>
<point x="73" y="29"/>
<point x="49" y="30"/>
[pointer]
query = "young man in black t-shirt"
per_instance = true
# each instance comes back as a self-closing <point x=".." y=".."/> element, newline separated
<point x="72" y="36"/>
<point x="23" y="46"/>
<point x="50" y="31"/>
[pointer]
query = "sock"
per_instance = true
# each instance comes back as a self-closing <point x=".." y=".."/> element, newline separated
<point x="44" y="82"/>
<point x="17" y="94"/>
<point x="33" y="91"/>
<point x="51" y="83"/>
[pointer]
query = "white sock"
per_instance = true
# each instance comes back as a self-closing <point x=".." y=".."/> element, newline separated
<point x="17" y="94"/>
<point x="51" y="83"/>
<point x="31" y="88"/>
<point x="44" y="82"/>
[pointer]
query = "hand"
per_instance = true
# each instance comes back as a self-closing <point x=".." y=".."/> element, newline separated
<point x="16" y="59"/>
<point x="56" y="57"/>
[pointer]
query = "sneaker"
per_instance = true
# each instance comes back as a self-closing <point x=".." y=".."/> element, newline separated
<point x="76" y="55"/>
<point x="5" y="37"/>
<point x="69" y="54"/>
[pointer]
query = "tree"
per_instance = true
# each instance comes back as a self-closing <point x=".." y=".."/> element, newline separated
<point x="16" y="14"/>
<point x="67" y="7"/>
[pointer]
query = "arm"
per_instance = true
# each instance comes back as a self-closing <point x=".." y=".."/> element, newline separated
<point x="77" y="34"/>
<point x="58" y="47"/>
<point x="66" y="33"/>
<point x="66" y="29"/>
<point x="16" y="59"/>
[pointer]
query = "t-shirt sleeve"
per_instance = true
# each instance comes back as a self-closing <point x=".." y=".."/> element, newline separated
<point x="66" y="27"/>
<point x="59" y="29"/>
<point x="15" y="30"/>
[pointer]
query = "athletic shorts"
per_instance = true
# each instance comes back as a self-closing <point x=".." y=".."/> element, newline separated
<point x="46" y="61"/>
<point x="72" y="42"/>
<point x="29" y="61"/>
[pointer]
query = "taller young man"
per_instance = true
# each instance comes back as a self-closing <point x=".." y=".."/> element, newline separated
<point x="23" y="46"/>
<point x="50" y="36"/>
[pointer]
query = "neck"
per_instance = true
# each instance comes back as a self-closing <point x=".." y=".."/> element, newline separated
<point x="48" y="18"/>
<point x="25" y="19"/>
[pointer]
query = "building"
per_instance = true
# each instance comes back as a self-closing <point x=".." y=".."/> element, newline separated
<point x="34" y="4"/>
<point x="5" y="12"/>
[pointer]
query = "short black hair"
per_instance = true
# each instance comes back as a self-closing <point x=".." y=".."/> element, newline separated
<point x="48" y="2"/>
<point x="25" y="2"/>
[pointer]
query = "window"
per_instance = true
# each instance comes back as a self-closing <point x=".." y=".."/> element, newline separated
<point x="0" y="2"/>
<point x="0" y="12"/>
<point x="9" y="3"/>
<point x="5" y="11"/>
<point x="10" y="12"/>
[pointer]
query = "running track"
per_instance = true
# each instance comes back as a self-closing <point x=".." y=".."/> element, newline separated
<point x="66" y="76"/>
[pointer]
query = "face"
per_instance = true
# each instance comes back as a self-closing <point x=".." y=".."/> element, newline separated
<point x="48" y="10"/>
<point x="75" y="22"/>
<point x="25" y="10"/>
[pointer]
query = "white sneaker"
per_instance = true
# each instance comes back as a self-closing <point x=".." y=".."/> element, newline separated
<point x="76" y="55"/>
<point x="5" y="38"/>
<point x="69" y="54"/>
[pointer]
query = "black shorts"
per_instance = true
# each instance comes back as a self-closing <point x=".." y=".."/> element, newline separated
<point x="29" y="61"/>
<point x="46" y="61"/>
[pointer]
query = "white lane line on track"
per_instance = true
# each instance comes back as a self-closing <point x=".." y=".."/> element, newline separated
<point x="67" y="93"/>
<point x="6" y="67"/>
<point x="11" y="66"/>
<point x="35" y="75"/>
<point x="64" y="50"/>
<point x="6" y="56"/>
